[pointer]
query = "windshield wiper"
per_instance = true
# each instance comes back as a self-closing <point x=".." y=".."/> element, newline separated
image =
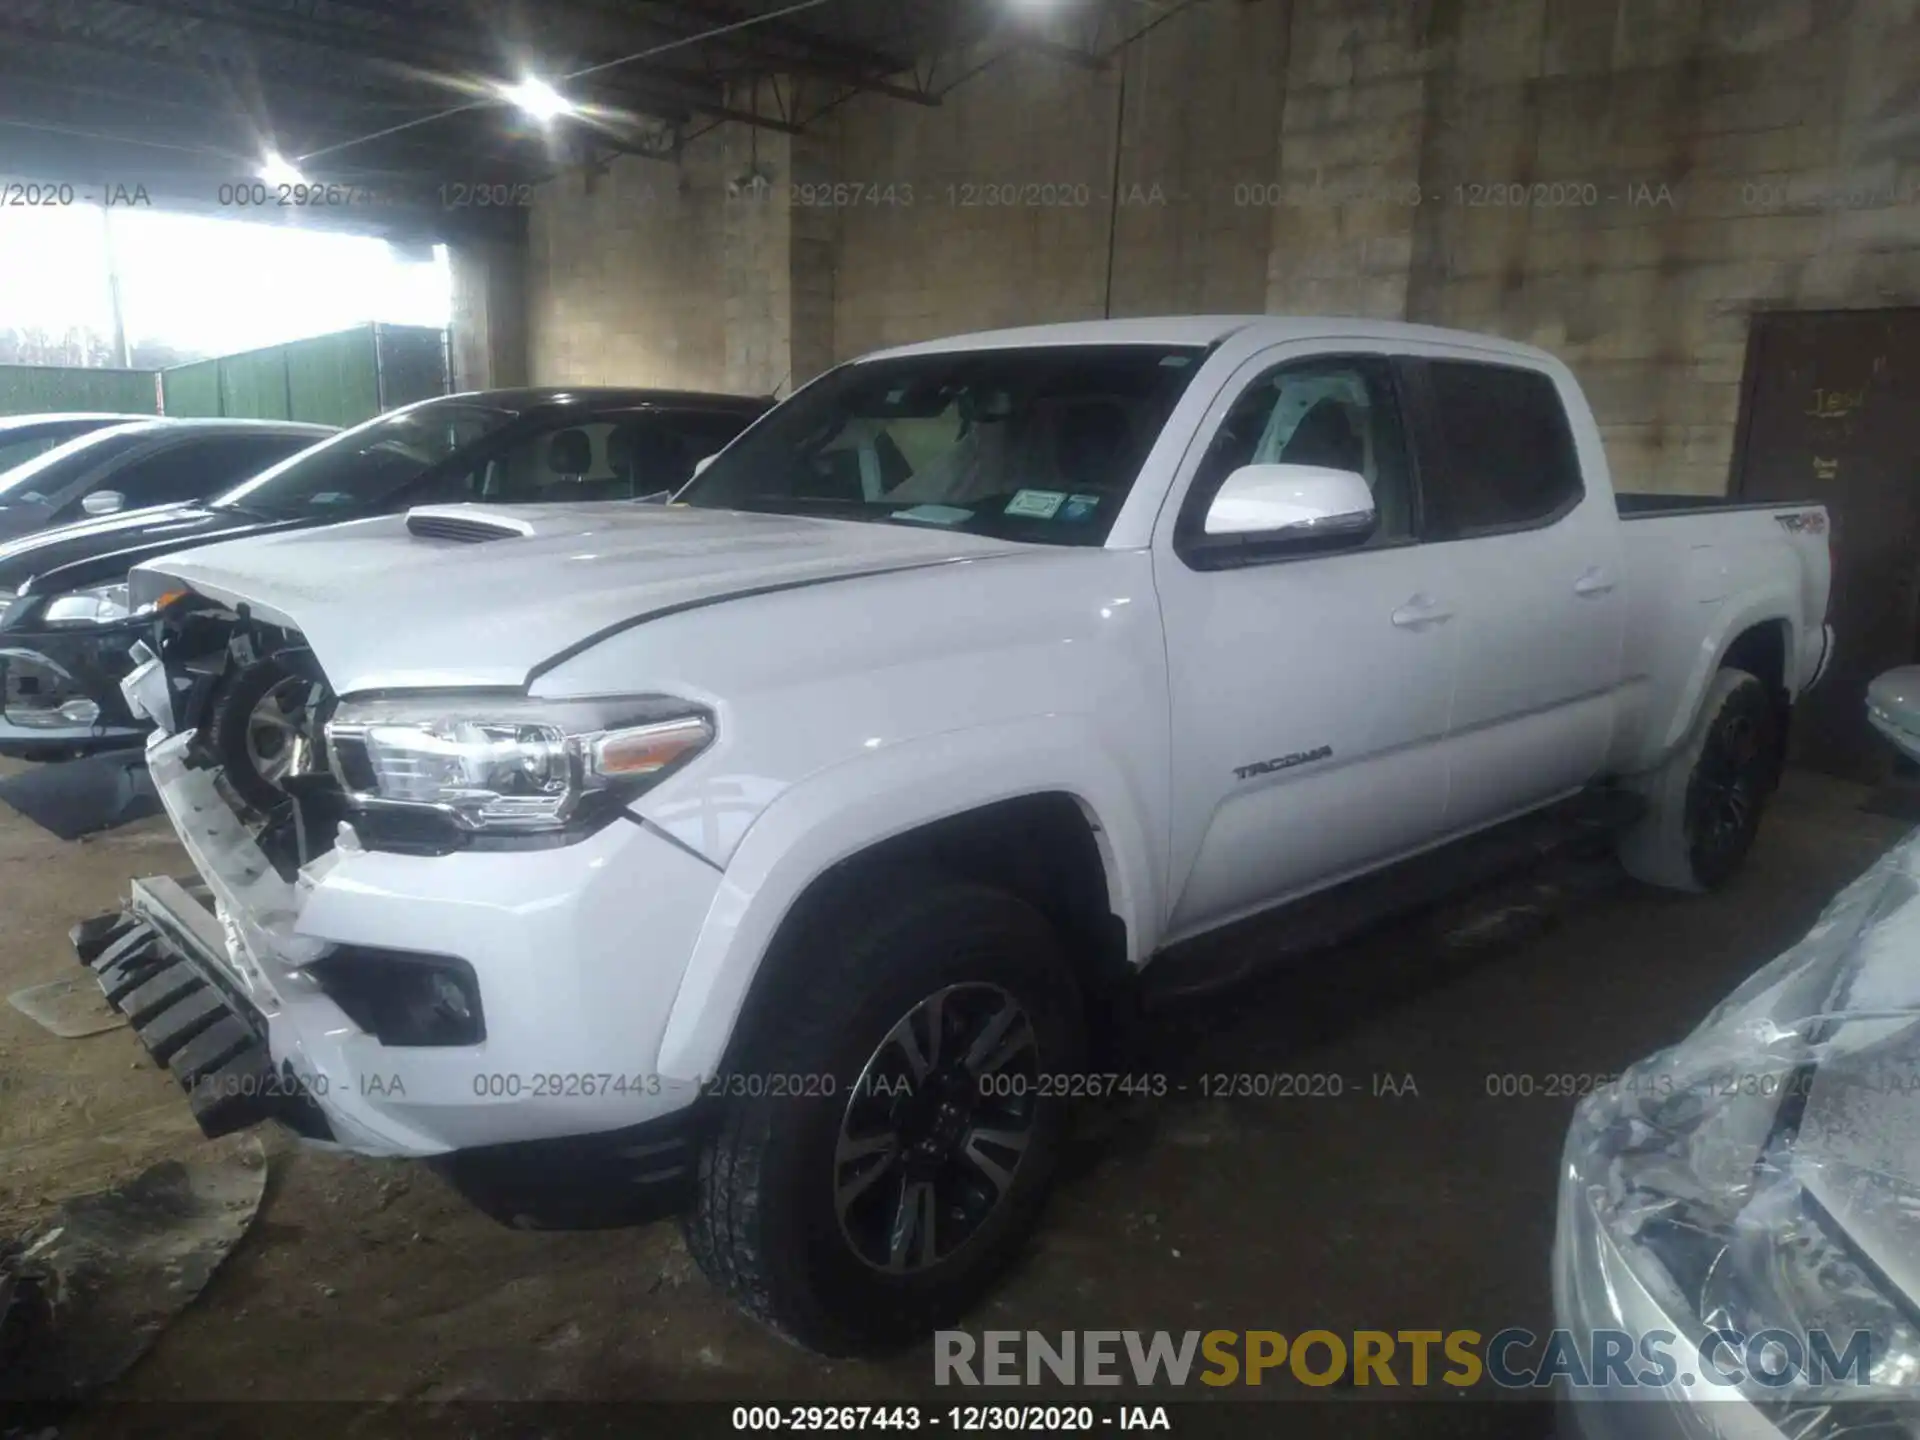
<point x="241" y="508"/>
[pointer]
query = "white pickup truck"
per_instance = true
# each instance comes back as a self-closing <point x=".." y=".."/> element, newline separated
<point x="789" y="853"/>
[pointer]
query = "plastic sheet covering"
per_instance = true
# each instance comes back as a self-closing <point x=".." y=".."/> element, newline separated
<point x="1764" y="1175"/>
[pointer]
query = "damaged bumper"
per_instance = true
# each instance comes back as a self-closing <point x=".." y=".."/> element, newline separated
<point x="571" y="958"/>
<point x="161" y="963"/>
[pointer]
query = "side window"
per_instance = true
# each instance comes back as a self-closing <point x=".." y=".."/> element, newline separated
<point x="1507" y="451"/>
<point x="1341" y="413"/>
<point x="193" y="469"/>
<point x="615" y="457"/>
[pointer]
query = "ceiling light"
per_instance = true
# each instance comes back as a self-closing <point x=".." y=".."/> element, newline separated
<point x="538" y="99"/>
<point x="277" y="170"/>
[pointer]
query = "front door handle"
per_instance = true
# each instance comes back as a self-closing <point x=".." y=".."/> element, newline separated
<point x="1420" y="612"/>
<point x="1593" y="582"/>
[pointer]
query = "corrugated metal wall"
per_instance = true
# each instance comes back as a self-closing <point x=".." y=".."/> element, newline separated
<point x="338" y="379"/>
<point x="34" y="389"/>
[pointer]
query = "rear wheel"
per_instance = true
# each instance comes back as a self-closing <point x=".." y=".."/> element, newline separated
<point x="888" y="1146"/>
<point x="1704" y="804"/>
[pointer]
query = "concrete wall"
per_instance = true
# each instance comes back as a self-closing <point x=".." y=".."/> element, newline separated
<point x="488" y="321"/>
<point x="1622" y="181"/>
<point x="1685" y="162"/>
<point x="625" y="275"/>
<point x="1017" y="203"/>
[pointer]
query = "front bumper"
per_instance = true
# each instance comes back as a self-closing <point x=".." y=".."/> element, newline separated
<point x="162" y="963"/>
<point x="577" y="952"/>
<point x="60" y="691"/>
<point x="157" y="962"/>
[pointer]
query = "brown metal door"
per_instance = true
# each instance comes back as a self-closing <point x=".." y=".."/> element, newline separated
<point x="1832" y="413"/>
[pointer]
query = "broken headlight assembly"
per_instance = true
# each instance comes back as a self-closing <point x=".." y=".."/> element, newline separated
<point x="507" y="765"/>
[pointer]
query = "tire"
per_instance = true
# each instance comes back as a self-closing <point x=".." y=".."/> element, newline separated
<point x="1704" y="803"/>
<point x="768" y="1226"/>
<point x="232" y="716"/>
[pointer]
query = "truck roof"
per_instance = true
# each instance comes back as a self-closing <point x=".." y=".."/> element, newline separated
<point x="1210" y="330"/>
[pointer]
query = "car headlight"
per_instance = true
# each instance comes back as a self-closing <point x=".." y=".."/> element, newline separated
<point x="100" y="605"/>
<point x="510" y="765"/>
<point x="1684" y="1188"/>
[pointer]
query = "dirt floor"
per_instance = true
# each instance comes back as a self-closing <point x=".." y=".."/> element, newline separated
<point x="1433" y="1209"/>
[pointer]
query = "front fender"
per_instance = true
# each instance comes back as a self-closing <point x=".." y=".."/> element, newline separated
<point x="852" y="806"/>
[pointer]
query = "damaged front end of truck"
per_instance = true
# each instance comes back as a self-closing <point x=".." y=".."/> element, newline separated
<point x="199" y="967"/>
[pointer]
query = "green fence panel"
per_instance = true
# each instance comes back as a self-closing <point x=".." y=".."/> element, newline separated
<point x="333" y="379"/>
<point x="193" y="389"/>
<point x="412" y="361"/>
<point x="33" y="389"/>
<point x="336" y="379"/>
<point x="254" y="384"/>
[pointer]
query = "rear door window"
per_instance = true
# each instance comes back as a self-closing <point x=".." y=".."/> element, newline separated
<point x="1505" y="457"/>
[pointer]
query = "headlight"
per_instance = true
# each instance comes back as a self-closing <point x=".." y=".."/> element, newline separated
<point x="1684" y="1198"/>
<point x="101" y="605"/>
<point x="510" y="765"/>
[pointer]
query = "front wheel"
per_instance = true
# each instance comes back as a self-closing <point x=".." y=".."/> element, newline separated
<point x="888" y="1146"/>
<point x="1704" y="804"/>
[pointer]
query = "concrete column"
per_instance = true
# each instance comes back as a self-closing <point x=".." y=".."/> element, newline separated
<point x="777" y="244"/>
<point x="489" y="314"/>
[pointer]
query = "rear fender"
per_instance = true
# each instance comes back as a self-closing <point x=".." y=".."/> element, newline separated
<point x="1772" y="604"/>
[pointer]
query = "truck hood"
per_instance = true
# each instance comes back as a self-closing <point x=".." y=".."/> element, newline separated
<point x="395" y="603"/>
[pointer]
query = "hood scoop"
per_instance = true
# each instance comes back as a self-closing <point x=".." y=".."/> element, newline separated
<point x="465" y="524"/>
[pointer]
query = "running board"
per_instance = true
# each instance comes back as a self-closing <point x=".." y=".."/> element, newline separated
<point x="1236" y="953"/>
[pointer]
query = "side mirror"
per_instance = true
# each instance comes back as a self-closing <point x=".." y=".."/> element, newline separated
<point x="704" y="461"/>
<point x="1293" y="503"/>
<point x="103" y="502"/>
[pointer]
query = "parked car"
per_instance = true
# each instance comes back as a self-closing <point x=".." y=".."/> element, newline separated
<point x="786" y="852"/>
<point x="59" y="654"/>
<point x="64" y="638"/>
<point x="135" y="463"/>
<point x="1754" y="1186"/>
<point x="24" y="436"/>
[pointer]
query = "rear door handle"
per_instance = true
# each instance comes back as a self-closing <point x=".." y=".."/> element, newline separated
<point x="1420" y="612"/>
<point x="1593" y="582"/>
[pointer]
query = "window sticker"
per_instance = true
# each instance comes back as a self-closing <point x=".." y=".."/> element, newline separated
<point x="1079" y="507"/>
<point x="1038" y="504"/>
<point x="933" y="514"/>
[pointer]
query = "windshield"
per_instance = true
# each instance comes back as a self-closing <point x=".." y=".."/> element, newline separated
<point x="1039" y="444"/>
<point x="48" y="473"/>
<point x="361" y="467"/>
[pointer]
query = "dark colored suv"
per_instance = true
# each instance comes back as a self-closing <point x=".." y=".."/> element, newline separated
<point x="65" y="625"/>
